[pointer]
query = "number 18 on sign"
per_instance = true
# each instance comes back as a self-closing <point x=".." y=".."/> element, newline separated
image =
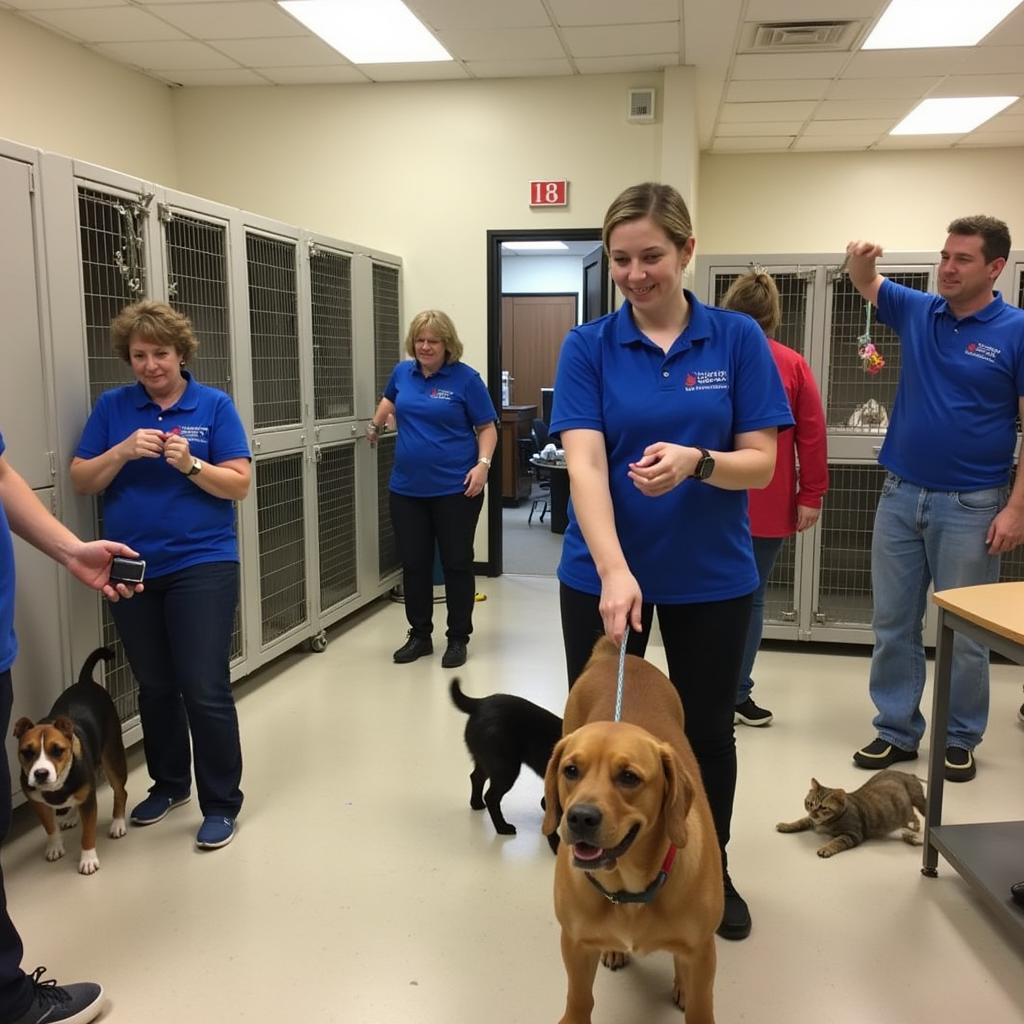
<point x="549" y="193"/>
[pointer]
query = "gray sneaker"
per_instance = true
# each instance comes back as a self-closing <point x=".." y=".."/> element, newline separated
<point x="61" y="1004"/>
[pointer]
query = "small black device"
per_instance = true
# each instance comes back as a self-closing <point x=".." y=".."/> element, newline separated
<point x="705" y="464"/>
<point x="127" y="570"/>
<point x="1017" y="892"/>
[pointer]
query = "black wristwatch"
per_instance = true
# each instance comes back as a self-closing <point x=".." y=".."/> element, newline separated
<point x="705" y="464"/>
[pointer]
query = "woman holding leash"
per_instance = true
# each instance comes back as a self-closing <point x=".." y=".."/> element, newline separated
<point x="170" y="457"/>
<point x="446" y="439"/>
<point x="668" y="412"/>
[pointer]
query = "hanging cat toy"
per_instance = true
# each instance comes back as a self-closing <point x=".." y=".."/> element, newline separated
<point x="870" y="357"/>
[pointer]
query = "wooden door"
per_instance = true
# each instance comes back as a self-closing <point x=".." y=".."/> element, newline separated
<point x="595" y="285"/>
<point x="532" y="330"/>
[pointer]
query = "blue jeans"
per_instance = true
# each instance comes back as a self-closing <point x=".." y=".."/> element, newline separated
<point x="923" y="536"/>
<point x="766" y="551"/>
<point x="177" y="636"/>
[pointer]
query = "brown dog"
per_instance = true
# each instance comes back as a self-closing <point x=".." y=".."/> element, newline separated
<point x="628" y="794"/>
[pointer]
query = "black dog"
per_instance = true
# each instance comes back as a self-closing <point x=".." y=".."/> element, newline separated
<point x="504" y="733"/>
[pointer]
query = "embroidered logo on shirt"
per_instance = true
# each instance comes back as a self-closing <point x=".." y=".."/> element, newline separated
<point x="706" y="380"/>
<point x="442" y="394"/>
<point x="193" y="434"/>
<point x="980" y="351"/>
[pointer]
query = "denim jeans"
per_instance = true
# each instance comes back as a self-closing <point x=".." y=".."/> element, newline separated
<point x="921" y="537"/>
<point x="766" y="551"/>
<point x="177" y="636"/>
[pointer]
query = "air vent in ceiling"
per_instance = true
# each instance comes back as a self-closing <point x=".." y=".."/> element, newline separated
<point x="797" y="36"/>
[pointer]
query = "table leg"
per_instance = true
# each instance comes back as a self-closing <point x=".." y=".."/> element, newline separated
<point x="937" y="748"/>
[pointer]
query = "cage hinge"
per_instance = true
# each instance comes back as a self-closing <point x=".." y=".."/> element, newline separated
<point x="821" y="618"/>
<point x="52" y="458"/>
<point x="31" y="180"/>
<point x="313" y="249"/>
<point x="164" y="213"/>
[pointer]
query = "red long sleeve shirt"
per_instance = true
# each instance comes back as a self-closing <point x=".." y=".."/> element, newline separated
<point x="773" y="509"/>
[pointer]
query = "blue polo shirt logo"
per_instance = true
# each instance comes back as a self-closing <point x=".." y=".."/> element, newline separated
<point x="707" y="380"/>
<point x="442" y="394"/>
<point x="987" y="352"/>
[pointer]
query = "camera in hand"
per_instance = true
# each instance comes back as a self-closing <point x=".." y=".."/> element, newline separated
<point x="127" y="570"/>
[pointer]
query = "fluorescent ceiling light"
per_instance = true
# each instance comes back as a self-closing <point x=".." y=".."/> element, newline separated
<point x="534" y="246"/>
<point x="951" y="116"/>
<point x="909" y="24"/>
<point x="368" y="31"/>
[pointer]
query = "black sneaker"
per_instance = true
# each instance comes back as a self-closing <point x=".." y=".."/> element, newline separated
<point x="413" y="648"/>
<point x="748" y="713"/>
<point x="455" y="655"/>
<point x="960" y="766"/>
<point x="61" y="1004"/>
<point x="1020" y="712"/>
<point x="880" y="754"/>
<point x="736" y="915"/>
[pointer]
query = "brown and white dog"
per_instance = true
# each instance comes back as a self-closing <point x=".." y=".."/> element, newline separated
<point x="61" y="754"/>
<point x="639" y="868"/>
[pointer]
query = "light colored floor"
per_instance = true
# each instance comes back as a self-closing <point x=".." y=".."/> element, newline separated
<point x="362" y="889"/>
<point x="529" y="549"/>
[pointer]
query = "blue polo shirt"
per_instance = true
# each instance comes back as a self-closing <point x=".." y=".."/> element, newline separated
<point x="717" y="380"/>
<point x="8" y="641"/>
<point x="436" y="444"/>
<point x="150" y="505"/>
<point x="953" y="422"/>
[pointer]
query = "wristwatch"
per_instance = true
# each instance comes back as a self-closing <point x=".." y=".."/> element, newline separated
<point x="705" y="464"/>
<point x="195" y="468"/>
<point x="486" y="461"/>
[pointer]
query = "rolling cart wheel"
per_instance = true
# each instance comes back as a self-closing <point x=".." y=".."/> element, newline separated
<point x="318" y="643"/>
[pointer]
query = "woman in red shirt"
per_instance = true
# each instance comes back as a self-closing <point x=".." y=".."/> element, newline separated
<point x="792" y="501"/>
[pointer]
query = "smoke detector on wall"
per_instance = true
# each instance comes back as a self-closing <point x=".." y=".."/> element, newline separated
<point x="641" y="105"/>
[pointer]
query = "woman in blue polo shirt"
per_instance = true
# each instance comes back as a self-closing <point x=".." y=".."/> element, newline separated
<point x="668" y="412"/>
<point x="446" y="438"/>
<point x="170" y="457"/>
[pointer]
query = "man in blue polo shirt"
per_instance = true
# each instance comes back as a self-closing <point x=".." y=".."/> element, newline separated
<point x="945" y="514"/>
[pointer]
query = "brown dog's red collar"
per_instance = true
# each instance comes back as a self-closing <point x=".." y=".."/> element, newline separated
<point x="624" y="896"/>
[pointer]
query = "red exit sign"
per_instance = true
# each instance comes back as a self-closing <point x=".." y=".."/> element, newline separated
<point x="549" y="193"/>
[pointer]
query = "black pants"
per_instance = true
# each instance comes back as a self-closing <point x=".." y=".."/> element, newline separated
<point x="15" y="988"/>
<point x="704" y="650"/>
<point x="450" y="523"/>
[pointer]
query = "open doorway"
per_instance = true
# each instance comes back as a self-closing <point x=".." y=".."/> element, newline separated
<point x="535" y="293"/>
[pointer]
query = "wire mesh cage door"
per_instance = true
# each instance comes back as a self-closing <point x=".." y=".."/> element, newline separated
<point x="274" y="331"/>
<point x="330" y="286"/>
<point x="780" y="596"/>
<point x="114" y="273"/>
<point x="336" y="523"/>
<point x="388" y="560"/>
<point x="843" y="577"/>
<point x="387" y="330"/>
<point x="796" y="300"/>
<point x="281" y="538"/>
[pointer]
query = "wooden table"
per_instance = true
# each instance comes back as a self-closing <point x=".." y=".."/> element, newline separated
<point x="990" y="857"/>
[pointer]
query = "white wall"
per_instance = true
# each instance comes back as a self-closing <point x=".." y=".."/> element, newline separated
<point x="59" y="96"/>
<point x="544" y="275"/>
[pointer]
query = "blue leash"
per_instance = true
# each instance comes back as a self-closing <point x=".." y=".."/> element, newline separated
<point x="622" y="675"/>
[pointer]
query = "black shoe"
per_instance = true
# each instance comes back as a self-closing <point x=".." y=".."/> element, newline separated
<point x="880" y="754"/>
<point x="1020" y="712"/>
<point x="413" y="648"/>
<point x="736" y="915"/>
<point x="960" y="766"/>
<point x="61" y="1004"/>
<point x="455" y="655"/>
<point x="750" y="714"/>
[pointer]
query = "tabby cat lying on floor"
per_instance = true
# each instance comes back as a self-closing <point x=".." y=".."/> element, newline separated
<point x="883" y="804"/>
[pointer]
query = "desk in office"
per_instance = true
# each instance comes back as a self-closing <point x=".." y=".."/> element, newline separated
<point x="559" y="477"/>
<point x="990" y="856"/>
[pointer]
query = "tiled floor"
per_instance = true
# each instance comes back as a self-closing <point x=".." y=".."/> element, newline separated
<point x="362" y="889"/>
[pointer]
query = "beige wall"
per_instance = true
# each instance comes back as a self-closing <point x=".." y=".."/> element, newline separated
<point x="817" y="202"/>
<point x="59" y="96"/>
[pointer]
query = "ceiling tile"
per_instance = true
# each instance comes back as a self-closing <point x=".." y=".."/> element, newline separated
<point x="981" y="85"/>
<point x="811" y="10"/>
<point x="331" y="74"/>
<point x="882" y="88"/>
<point x="213" y="76"/>
<point x="181" y="55"/>
<point x="622" y="40"/>
<point x="287" y="52"/>
<point x="796" y="89"/>
<point x="506" y="44"/>
<point x="998" y="140"/>
<point x="753" y="112"/>
<point x="860" y="126"/>
<point x="849" y="110"/>
<point x="748" y="145"/>
<point x="833" y="142"/>
<point x="414" y="71"/>
<point x="940" y="61"/>
<point x="1004" y="123"/>
<point x="1010" y="32"/>
<point x="441" y="14"/>
<point x="917" y="141"/>
<point x="519" y="68"/>
<point x="765" y="128"/>
<point x="40" y="5"/>
<point x="612" y="12"/>
<point x="992" y="60"/>
<point x="249" y="20"/>
<point x="614" y="65"/>
<point x="107" y="25"/>
<point x="788" y="65"/>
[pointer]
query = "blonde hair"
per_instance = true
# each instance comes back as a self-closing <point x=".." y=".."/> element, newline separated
<point x="155" y="322"/>
<point x="440" y="324"/>
<point x="662" y="203"/>
<point x="755" y="293"/>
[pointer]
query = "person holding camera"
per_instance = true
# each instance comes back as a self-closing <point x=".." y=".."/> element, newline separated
<point x="170" y="457"/>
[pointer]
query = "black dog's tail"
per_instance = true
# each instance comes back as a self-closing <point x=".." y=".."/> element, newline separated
<point x="100" y="654"/>
<point x="465" y="704"/>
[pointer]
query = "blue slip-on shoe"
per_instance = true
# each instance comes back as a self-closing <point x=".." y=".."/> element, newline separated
<point x="155" y="808"/>
<point x="216" y="831"/>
